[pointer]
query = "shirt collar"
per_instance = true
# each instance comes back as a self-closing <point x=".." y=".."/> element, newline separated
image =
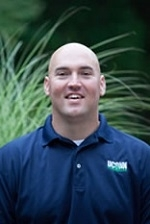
<point x="103" y="131"/>
<point x="49" y="133"/>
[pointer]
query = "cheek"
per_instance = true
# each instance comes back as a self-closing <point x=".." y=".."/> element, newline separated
<point x="95" y="91"/>
<point x="56" y="91"/>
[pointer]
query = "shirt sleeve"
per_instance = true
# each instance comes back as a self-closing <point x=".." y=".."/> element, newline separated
<point x="145" y="188"/>
<point x="7" y="205"/>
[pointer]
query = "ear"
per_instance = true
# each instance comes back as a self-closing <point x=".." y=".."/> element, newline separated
<point x="47" y="85"/>
<point x="102" y="85"/>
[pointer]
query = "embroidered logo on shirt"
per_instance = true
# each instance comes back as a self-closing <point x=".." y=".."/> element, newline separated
<point x="117" y="166"/>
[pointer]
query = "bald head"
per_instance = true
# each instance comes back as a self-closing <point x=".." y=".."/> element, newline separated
<point x="75" y="53"/>
<point x="74" y="84"/>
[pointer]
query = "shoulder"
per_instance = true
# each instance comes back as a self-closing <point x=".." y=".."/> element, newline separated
<point x="133" y="148"/>
<point x="127" y="139"/>
<point x="120" y="138"/>
<point x="30" y="143"/>
<point x="19" y="144"/>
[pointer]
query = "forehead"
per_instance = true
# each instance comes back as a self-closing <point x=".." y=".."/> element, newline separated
<point x="73" y="56"/>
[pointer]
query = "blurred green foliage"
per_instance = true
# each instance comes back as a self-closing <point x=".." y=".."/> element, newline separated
<point x="100" y="20"/>
<point x="89" y="22"/>
<point x="17" y="14"/>
<point x="24" y="106"/>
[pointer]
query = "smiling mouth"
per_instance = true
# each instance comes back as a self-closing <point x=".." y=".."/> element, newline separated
<point x="74" y="97"/>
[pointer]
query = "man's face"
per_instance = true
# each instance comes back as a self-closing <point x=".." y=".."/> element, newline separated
<point x="74" y="83"/>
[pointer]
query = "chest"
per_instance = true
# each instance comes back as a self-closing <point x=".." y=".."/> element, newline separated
<point x="76" y="184"/>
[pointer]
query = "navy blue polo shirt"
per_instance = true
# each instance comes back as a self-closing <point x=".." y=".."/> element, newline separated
<point x="47" y="179"/>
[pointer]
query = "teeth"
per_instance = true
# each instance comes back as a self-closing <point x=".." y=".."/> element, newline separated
<point x="74" y="97"/>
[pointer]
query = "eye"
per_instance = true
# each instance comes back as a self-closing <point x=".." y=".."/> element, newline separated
<point x="62" y="74"/>
<point x="86" y="73"/>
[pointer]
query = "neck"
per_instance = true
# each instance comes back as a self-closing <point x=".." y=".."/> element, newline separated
<point x="75" y="128"/>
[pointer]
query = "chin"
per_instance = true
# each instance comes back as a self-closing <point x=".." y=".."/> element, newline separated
<point x="76" y="114"/>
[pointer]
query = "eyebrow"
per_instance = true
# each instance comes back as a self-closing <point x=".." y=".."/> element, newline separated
<point x="61" y="68"/>
<point x="66" y="68"/>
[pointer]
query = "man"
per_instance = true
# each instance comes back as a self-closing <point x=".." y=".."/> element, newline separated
<point x="76" y="169"/>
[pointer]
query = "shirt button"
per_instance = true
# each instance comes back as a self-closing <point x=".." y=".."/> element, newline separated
<point x="78" y="165"/>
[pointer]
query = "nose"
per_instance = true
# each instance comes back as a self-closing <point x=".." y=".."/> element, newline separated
<point x="74" y="82"/>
